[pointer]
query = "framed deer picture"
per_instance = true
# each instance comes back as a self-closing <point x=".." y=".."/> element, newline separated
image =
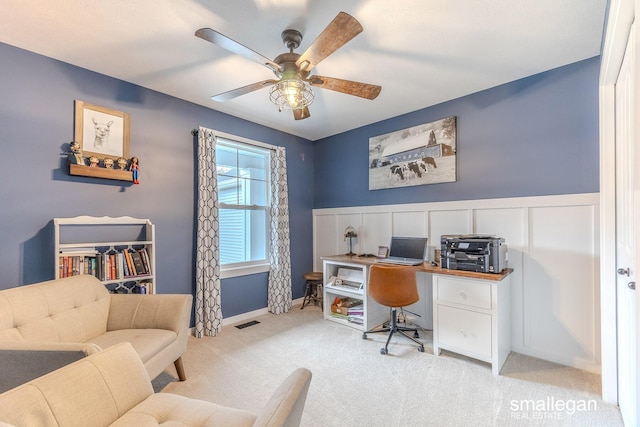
<point x="101" y="132"/>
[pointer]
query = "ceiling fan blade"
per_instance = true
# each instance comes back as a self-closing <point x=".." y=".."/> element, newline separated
<point x="363" y="90"/>
<point x="234" y="47"/>
<point x="301" y="114"/>
<point x="343" y="28"/>
<point x="242" y="90"/>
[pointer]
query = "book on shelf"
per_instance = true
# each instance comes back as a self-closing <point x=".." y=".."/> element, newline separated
<point x="122" y="264"/>
<point x="73" y="263"/>
<point x="356" y="309"/>
<point x="359" y="319"/>
<point x="144" y="256"/>
<point x="112" y="265"/>
<point x="129" y="261"/>
<point x="339" y="315"/>
<point x="137" y="263"/>
<point x="145" y="287"/>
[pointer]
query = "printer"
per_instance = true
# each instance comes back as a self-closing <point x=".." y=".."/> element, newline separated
<point x="473" y="252"/>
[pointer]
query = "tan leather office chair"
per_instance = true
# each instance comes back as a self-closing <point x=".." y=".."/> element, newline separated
<point x="395" y="287"/>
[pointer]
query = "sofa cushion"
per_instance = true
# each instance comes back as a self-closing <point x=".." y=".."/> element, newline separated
<point x="70" y="310"/>
<point x="137" y="311"/>
<point x="25" y="406"/>
<point x="146" y="342"/>
<point x="164" y="409"/>
<point x="94" y="391"/>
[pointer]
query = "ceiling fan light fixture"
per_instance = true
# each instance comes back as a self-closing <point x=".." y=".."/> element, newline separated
<point x="291" y="94"/>
<point x="292" y="89"/>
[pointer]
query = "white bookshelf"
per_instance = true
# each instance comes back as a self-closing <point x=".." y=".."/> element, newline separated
<point x="81" y="238"/>
<point x="373" y="313"/>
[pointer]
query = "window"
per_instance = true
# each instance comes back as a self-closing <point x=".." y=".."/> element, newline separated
<point x="243" y="194"/>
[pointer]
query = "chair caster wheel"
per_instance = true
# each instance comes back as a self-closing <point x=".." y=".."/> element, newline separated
<point x="383" y="351"/>
<point x="421" y="349"/>
<point x="416" y="334"/>
<point x="364" y="336"/>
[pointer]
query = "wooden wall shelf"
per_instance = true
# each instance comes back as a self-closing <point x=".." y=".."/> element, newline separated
<point x="95" y="172"/>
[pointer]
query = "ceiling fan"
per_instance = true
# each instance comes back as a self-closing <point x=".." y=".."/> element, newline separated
<point x="291" y="91"/>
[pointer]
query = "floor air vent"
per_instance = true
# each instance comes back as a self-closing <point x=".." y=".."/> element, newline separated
<point x="246" y="325"/>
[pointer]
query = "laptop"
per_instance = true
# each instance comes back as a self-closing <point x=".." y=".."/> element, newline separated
<point x="407" y="251"/>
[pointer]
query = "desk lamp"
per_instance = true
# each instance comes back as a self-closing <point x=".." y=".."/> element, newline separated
<point x="350" y="233"/>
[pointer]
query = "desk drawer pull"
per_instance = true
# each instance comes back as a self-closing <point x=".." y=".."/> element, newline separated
<point x="463" y="295"/>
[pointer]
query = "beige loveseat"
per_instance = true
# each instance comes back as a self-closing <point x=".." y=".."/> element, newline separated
<point x="50" y="324"/>
<point x="112" y="388"/>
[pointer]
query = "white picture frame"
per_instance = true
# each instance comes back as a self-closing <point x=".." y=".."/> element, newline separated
<point x="101" y="131"/>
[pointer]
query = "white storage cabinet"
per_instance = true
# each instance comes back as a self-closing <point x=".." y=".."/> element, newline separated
<point x="471" y="317"/>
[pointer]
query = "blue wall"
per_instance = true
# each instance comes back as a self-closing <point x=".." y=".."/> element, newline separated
<point x="535" y="136"/>
<point x="36" y="125"/>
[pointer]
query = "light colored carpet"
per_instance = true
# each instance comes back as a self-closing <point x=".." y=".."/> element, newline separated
<point x="354" y="385"/>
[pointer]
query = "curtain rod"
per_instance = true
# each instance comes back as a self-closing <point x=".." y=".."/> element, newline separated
<point x="195" y="132"/>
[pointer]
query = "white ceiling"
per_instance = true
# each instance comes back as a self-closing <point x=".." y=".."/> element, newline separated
<point x="422" y="52"/>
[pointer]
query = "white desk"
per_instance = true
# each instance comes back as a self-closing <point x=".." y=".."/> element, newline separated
<point x="469" y="311"/>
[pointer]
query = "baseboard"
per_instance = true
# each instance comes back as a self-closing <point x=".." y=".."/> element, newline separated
<point x="244" y="317"/>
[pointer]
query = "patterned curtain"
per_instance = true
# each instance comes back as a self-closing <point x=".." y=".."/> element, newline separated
<point x="207" y="309"/>
<point x="279" y="292"/>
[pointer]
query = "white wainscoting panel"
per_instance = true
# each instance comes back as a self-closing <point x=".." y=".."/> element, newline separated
<point x="324" y="242"/>
<point x="561" y="289"/>
<point x="553" y="249"/>
<point x="447" y="221"/>
<point x="409" y="224"/>
<point x="374" y="227"/>
<point x="511" y="224"/>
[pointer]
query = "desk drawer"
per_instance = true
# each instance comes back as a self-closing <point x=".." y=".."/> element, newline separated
<point x="466" y="331"/>
<point x="463" y="291"/>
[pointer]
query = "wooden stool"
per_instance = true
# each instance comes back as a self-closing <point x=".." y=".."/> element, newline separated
<point x="313" y="292"/>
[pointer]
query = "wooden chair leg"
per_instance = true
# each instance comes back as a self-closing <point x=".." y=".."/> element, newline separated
<point x="180" y="369"/>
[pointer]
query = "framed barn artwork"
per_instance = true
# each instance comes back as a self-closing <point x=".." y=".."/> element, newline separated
<point x="423" y="154"/>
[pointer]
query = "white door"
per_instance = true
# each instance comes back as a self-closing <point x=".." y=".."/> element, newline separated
<point x="627" y="234"/>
